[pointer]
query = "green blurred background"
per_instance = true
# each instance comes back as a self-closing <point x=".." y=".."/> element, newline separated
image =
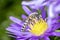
<point x="10" y="8"/>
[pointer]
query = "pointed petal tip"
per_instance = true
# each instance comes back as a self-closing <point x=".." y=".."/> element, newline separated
<point x="11" y="17"/>
<point x="15" y="20"/>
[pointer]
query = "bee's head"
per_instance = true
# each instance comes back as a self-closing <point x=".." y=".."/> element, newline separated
<point x="33" y="15"/>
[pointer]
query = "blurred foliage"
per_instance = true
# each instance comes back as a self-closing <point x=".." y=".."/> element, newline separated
<point x="10" y="8"/>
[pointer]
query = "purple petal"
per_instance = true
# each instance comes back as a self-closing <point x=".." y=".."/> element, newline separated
<point x="13" y="31"/>
<point x="15" y="26"/>
<point x="56" y="19"/>
<point x="26" y="34"/>
<point x="19" y="33"/>
<point x="34" y="10"/>
<point x="16" y="30"/>
<point x="46" y="38"/>
<point x="26" y="10"/>
<point x="51" y="15"/>
<point x="57" y="8"/>
<point x="35" y="4"/>
<point x="24" y="16"/>
<point x="28" y="3"/>
<point x="50" y="11"/>
<point x="43" y="12"/>
<point x="55" y="26"/>
<point x="56" y="34"/>
<point x="16" y="20"/>
<point x="20" y="39"/>
<point x="33" y="39"/>
<point x="49" y="22"/>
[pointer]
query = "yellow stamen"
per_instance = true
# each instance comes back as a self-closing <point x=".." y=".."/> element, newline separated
<point x="39" y="27"/>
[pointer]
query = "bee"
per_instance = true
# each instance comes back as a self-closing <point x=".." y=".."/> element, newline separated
<point x="31" y="19"/>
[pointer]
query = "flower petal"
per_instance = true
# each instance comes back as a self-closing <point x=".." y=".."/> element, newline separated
<point x="55" y="26"/>
<point x="35" y="4"/>
<point x="20" y="39"/>
<point x="19" y="33"/>
<point x="33" y="39"/>
<point x="57" y="8"/>
<point x="26" y="10"/>
<point x="43" y="12"/>
<point x="16" y="20"/>
<point x="28" y="3"/>
<point x="13" y="31"/>
<point x="51" y="15"/>
<point x="50" y="10"/>
<point x="24" y="16"/>
<point x="56" y="34"/>
<point x="15" y="26"/>
<point x="46" y="38"/>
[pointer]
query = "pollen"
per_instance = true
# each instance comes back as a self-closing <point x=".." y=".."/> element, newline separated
<point x="39" y="27"/>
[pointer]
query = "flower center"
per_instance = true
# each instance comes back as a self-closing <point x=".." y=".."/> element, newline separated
<point x="39" y="27"/>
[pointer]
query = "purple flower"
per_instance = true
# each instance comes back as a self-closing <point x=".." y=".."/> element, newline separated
<point x="36" y="4"/>
<point x="53" y="9"/>
<point x="52" y="6"/>
<point x="34" y="26"/>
